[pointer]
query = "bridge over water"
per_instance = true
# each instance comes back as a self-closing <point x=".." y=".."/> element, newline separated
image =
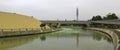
<point x="87" y="23"/>
<point x="116" y="21"/>
<point x="70" y="22"/>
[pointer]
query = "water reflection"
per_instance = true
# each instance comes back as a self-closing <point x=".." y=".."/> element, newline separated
<point x="6" y="43"/>
<point x="99" y="36"/>
<point x="67" y="39"/>
<point x="43" y="37"/>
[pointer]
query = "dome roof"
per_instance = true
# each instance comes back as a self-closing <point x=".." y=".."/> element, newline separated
<point x="17" y="21"/>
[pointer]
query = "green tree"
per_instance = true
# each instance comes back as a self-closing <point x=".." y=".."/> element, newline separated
<point x="95" y="18"/>
<point x="98" y="17"/>
<point x="110" y="16"/>
<point x="105" y="18"/>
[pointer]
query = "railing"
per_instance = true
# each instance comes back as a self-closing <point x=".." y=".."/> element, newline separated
<point x="23" y="31"/>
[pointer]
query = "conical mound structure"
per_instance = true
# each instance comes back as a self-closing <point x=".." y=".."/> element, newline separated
<point x="17" y="21"/>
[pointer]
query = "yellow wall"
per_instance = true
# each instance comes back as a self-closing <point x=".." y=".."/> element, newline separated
<point x="16" y="21"/>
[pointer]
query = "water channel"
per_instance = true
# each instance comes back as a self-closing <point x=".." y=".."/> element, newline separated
<point x="66" y="39"/>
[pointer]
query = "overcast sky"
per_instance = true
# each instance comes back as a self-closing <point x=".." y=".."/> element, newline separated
<point x="61" y="9"/>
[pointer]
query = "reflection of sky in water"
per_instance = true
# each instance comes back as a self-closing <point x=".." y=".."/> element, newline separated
<point x="67" y="39"/>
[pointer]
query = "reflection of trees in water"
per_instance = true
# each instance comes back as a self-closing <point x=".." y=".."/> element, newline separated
<point x="43" y="37"/>
<point x="108" y="39"/>
<point x="10" y="42"/>
<point x="96" y="35"/>
<point x="99" y="36"/>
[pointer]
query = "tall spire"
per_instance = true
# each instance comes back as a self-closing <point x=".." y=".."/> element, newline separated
<point x="77" y="14"/>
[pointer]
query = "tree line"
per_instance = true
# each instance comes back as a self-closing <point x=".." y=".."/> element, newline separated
<point x="109" y="16"/>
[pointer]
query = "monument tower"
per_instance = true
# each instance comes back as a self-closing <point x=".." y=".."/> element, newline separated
<point x="77" y="14"/>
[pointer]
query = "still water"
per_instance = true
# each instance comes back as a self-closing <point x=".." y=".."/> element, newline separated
<point x="66" y="39"/>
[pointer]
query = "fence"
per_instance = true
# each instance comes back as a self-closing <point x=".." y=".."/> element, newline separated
<point x="23" y="31"/>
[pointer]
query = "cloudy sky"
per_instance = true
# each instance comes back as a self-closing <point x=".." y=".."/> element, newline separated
<point x="61" y="9"/>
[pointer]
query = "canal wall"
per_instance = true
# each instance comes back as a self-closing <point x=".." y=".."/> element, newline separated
<point x="113" y="34"/>
<point x="23" y="32"/>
